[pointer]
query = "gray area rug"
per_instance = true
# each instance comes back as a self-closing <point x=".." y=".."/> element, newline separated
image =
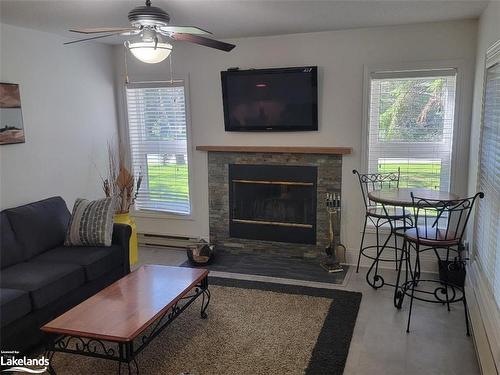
<point x="252" y="328"/>
<point x="273" y="266"/>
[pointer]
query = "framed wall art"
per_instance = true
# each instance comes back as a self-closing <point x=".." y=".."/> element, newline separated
<point x="11" y="117"/>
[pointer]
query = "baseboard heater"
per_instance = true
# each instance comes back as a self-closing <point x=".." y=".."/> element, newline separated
<point x="156" y="240"/>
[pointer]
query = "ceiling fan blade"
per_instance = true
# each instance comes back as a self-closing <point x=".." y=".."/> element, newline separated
<point x="185" y="30"/>
<point x="212" y="43"/>
<point x="96" y="30"/>
<point x="92" y="38"/>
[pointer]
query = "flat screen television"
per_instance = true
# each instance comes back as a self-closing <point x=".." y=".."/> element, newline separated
<point x="282" y="99"/>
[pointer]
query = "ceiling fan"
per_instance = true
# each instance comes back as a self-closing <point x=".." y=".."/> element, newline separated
<point x="150" y="33"/>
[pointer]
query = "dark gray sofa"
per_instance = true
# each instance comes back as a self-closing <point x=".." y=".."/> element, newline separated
<point x="40" y="278"/>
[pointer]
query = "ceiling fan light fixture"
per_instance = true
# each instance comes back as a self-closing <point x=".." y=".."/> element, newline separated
<point x="149" y="48"/>
<point x="149" y="53"/>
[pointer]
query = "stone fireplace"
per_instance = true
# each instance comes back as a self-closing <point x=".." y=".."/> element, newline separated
<point x="271" y="202"/>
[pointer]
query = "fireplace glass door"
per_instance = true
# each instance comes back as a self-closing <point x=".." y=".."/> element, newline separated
<point x="273" y="202"/>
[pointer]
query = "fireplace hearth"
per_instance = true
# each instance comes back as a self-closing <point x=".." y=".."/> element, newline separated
<point x="273" y="202"/>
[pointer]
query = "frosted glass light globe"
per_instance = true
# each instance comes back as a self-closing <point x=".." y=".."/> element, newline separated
<point x="148" y="52"/>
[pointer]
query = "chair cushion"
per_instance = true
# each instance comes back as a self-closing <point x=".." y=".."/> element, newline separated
<point x="392" y="212"/>
<point x="95" y="260"/>
<point x="14" y="304"/>
<point x="11" y="251"/>
<point x="91" y="223"/>
<point x="431" y="237"/>
<point x="46" y="282"/>
<point x="40" y="226"/>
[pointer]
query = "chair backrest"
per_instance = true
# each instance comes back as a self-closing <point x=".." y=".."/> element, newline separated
<point x="376" y="181"/>
<point x="442" y="220"/>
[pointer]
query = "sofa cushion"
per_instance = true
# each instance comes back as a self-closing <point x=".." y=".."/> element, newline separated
<point x="95" y="260"/>
<point x="46" y="282"/>
<point x="14" y="304"/>
<point x="40" y="226"/>
<point x="11" y="251"/>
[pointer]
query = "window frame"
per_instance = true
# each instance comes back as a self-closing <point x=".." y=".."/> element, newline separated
<point x="457" y="149"/>
<point x="484" y="308"/>
<point x="492" y="58"/>
<point x="156" y="214"/>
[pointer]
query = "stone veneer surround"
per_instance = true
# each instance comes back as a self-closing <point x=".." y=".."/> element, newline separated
<point x="329" y="180"/>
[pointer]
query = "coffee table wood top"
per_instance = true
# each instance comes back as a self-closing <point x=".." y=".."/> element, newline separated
<point x="402" y="197"/>
<point x="127" y="307"/>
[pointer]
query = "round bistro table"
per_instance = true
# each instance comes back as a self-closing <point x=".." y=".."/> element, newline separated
<point x="399" y="197"/>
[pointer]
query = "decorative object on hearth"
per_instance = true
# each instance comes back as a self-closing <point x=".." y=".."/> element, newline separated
<point x="11" y="117"/>
<point x="201" y="253"/>
<point x="124" y="187"/>
<point x="335" y="251"/>
<point x="151" y="34"/>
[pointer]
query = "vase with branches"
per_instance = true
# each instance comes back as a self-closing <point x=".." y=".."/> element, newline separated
<point x="119" y="182"/>
<point x="124" y="187"/>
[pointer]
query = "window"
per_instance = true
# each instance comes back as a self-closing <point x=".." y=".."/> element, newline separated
<point x="411" y="119"/>
<point x="158" y="141"/>
<point x="487" y="223"/>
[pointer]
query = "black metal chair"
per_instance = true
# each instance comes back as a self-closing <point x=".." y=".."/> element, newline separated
<point x="438" y="225"/>
<point x="379" y="216"/>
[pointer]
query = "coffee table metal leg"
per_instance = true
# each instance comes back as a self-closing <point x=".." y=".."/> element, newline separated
<point x="130" y="369"/>
<point x="205" y="298"/>
<point x="49" y="353"/>
<point x="127" y="357"/>
<point x="136" y="366"/>
<point x="50" y="369"/>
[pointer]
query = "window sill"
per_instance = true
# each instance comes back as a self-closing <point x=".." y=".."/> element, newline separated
<point x="147" y="214"/>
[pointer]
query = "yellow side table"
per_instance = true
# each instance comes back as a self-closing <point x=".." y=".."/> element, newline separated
<point x="133" y="245"/>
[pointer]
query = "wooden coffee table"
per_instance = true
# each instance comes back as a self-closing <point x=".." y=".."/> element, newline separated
<point x="118" y="322"/>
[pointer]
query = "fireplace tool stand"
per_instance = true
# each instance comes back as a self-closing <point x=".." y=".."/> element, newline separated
<point x="332" y="262"/>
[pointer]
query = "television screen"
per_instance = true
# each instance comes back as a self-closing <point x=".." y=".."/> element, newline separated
<point x="283" y="99"/>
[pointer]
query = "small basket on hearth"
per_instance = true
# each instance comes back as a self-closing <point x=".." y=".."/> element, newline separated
<point x="201" y="253"/>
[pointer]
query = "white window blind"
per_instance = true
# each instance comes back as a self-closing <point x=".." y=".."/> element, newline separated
<point x="411" y="120"/>
<point x="487" y="223"/>
<point x="158" y="142"/>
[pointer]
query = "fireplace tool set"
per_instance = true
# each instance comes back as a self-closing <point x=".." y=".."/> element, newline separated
<point x="335" y="251"/>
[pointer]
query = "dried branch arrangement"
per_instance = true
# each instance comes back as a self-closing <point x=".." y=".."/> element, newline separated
<point x="120" y="183"/>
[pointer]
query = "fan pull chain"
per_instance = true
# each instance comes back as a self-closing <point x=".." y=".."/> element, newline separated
<point x="126" y="67"/>
<point x="171" y="69"/>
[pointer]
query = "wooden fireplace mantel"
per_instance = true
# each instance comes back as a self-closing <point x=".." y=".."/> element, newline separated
<point x="279" y="149"/>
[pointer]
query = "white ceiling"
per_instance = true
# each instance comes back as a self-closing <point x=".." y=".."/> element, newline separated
<point x="238" y="18"/>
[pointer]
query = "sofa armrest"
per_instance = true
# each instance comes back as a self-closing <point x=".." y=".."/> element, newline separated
<point x="121" y="237"/>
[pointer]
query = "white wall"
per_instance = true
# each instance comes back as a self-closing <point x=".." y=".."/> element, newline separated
<point x="340" y="56"/>
<point x="69" y="113"/>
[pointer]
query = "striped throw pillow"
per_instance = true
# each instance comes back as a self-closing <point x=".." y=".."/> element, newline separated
<point x="91" y="223"/>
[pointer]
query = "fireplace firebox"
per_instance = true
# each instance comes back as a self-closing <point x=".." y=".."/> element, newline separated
<point x="273" y="202"/>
